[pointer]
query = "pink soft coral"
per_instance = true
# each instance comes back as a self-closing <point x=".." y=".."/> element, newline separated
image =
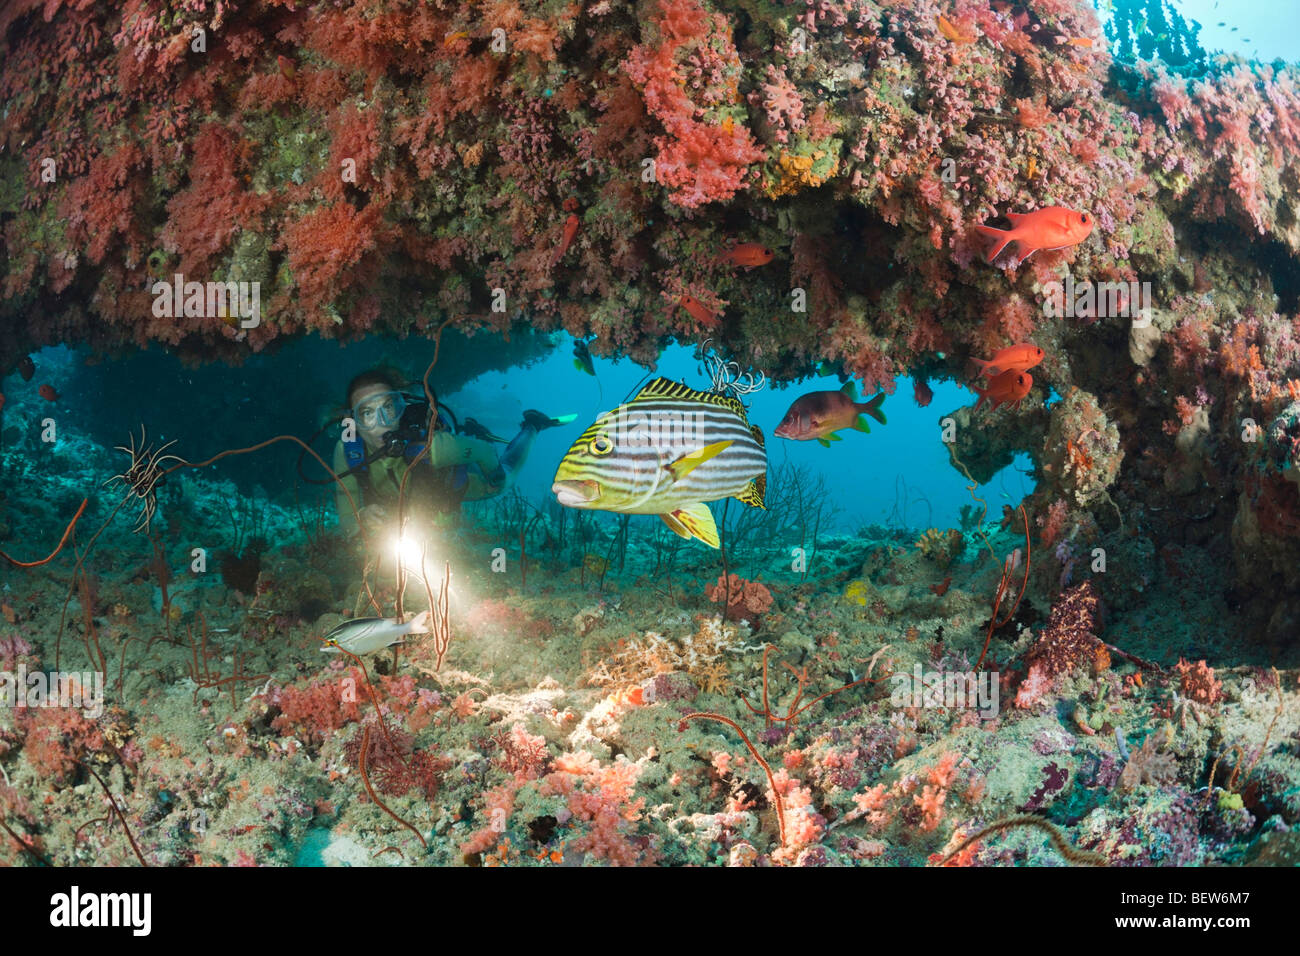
<point x="700" y="159"/>
<point x="746" y="600"/>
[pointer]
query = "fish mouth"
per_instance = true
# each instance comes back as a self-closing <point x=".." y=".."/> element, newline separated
<point x="783" y="431"/>
<point x="576" y="494"/>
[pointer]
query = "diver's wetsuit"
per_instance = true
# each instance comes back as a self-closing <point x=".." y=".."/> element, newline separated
<point x="458" y="468"/>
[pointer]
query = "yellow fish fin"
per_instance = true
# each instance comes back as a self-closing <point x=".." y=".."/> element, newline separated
<point x="693" y="459"/>
<point x="695" y="521"/>
<point x="676" y="526"/>
<point x="752" y="494"/>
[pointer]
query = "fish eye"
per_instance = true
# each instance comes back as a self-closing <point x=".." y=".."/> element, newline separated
<point x="601" y="445"/>
<point x="1083" y="218"/>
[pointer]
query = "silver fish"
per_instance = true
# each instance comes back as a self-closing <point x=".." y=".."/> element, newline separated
<point x="366" y="635"/>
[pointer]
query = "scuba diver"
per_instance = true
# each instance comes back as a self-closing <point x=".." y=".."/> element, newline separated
<point x="392" y="428"/>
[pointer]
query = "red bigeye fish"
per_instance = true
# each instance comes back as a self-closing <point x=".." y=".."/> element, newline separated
<point x="1053" y="227"/>
<point x="1013" y="358"/>
<point x="923" y="392"/>
<point x="1005" y="389"/>
<point x="570" y="230"/>
<point x="748" y="254"/>
<point x="48" y="393"/>
<point x="706" y="317"/>
<point x="820" y="414"/>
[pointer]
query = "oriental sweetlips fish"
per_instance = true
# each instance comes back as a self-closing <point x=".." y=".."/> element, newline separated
<point x="366" y="635"/>
<point x="667" y="452"/>
<point x="820" y="414"/>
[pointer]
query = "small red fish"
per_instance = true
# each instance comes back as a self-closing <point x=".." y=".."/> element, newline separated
<point x="570" y="230"/>
<point x="923" y="392"/>
<point x="2" y="401"/>
<point x="1013" y="358"/>
<point x="287" y="69"/>
<point x="1005" y="389"/>
<point x="1052" y="227"/>
<point x="706" y="317"/>
<point x="26" y="369"/>
<point x="748" y="254"/>
<point x="949" y="29"/>
<point x="48" y="393"/>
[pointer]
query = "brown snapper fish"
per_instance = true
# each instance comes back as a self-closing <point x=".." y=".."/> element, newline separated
<point x="820" y="414"/>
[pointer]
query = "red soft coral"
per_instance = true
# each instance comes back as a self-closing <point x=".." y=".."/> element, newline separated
<point x="324" y="248"/>
<point x="205" y="217"/>
<point x="746" y="600"/>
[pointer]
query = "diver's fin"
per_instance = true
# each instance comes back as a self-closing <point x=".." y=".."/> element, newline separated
<point x="693" y="459"/>
<point x="695" y="521"/>
<point x="752" y="494"/>
<point x="540" y="420"/>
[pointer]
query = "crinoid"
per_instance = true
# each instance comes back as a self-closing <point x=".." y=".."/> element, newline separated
<point x="726" y="376"/>
<point x="143" y="475"/>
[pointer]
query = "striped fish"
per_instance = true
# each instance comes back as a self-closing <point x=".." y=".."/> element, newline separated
<point x="667" y="452"/>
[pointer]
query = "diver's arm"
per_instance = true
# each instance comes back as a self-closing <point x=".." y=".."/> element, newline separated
<point x="447" y="450"/>
<point x="347" y="517"/>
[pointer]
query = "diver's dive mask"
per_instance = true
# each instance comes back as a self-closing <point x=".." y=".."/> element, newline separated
<point x="383" y="410"/>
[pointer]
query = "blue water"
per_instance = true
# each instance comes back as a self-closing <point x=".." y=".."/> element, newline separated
<point x="867" y="476"/>
<point x="1262" y="30"/>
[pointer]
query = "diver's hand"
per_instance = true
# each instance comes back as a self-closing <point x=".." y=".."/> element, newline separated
<point x="373" y="517"/>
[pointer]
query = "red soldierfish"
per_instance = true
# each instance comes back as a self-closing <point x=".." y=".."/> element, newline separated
<point x="1005" y="389"/>
<point x="570" y="230"/>
<point x="48" y="393"/>
<point x="1013" y="358"/>
<point x="747" y="254"/>
<point x="1053" y="227"/>
<point x="706" y="317"/>
<point x="820" y="414"/>
<point x="923" y="392"/>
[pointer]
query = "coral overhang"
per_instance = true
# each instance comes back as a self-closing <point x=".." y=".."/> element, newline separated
<point x="381" y="166"/>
